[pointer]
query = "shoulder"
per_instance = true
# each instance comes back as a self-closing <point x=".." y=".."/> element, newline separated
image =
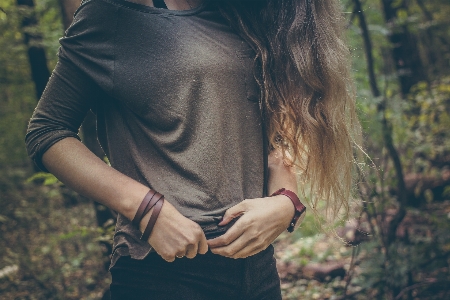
<point x="93" y="28"/>
<point x="88" y="43"/>
<point x="93" y="14"/>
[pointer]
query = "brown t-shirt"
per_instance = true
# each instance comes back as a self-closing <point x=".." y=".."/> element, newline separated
<point x="176" y="103"/>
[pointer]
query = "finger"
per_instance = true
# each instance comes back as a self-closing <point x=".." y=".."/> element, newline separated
<point x="249" y="251"/>
<point x="180" y="254"/>
<point x="233" y="212"/>
<point x="191" y="250"/>
<point x="203" y="245"/>
<point x="235" y="247"/>
<point x="168" y="258"/>
<point x="228" y="237"/>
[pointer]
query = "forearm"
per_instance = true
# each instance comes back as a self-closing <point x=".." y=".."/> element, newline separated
<point x="280" y="175"/>
<point x="77" y="167"/>
<point x="81" y="170"/>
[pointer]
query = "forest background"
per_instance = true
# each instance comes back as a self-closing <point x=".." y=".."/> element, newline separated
<point x="54" y="244"/>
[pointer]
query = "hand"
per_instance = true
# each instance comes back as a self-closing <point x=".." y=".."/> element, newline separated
<point x="262" y="220"/>
<point x="175" y="235"/>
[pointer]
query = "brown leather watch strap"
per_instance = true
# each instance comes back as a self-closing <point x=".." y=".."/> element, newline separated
<point x="140" y="213"/>
<point x="299" y="207"/>
<point x="153" y="218"/>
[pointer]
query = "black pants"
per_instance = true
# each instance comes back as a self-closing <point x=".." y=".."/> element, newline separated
<point x="206" y="277"/>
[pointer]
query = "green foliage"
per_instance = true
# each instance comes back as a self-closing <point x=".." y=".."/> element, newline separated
<point x="49" y="236"/>
<point x="423" y="254"/>
<point x="428" y="119"/>
<point x="46" y="178"/>
<point x="17" y="96"/>
<point x="53" y="242"/>
<point x="416" y="257"/>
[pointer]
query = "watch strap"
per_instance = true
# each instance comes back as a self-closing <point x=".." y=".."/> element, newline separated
<point x="299" y="207"/>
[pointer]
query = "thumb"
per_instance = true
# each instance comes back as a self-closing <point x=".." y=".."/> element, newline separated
<point x="233" y="212"/>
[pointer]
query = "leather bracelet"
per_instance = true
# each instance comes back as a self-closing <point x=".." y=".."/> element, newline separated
<point x="299" y="207"/>
<point x="152" y="203"/>
<point x="140" y="213"/>
<point x="153" y="218"/>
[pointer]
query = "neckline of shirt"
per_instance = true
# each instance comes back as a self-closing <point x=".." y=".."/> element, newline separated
<point x="155" y="10"/>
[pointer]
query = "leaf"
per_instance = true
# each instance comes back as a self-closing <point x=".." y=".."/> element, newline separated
<point x="3" y="219"/>
<point x="47" y="178"/>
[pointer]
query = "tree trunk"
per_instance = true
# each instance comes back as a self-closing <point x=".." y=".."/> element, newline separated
<point x="367" y="47"/>
<point x="36" y="53"/>
<point x="405" y="51"/>
<point x="434" y="45"/>
<point x="68" y="8"/>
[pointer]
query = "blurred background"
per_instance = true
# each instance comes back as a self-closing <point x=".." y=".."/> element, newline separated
<point x="55" y="244"/>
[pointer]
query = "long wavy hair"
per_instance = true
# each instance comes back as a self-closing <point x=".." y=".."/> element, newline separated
<point x="307" y="96"/>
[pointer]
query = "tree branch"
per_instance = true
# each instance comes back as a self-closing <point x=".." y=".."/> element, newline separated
<point x="386" y="127"/>
<point x="367" y="47"/>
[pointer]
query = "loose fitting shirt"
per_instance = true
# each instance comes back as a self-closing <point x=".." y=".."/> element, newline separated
<point x="176" y="103"/>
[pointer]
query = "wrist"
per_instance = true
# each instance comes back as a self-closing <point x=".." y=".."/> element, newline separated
<point x="286" y="209"/>
<point x="132" y="200"/>
<point x="298" y="206"/>
<point x="150" y="205"/>
<point x="284" y="202"/>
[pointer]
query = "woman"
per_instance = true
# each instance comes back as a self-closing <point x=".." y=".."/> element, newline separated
<point x="212" y="104"/>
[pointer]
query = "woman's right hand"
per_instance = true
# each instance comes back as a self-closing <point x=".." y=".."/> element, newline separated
<point x="174" y="235"/>
<point x="75" y="165"/>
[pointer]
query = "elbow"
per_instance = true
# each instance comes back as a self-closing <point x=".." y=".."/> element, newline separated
<point x="41" y="136"/>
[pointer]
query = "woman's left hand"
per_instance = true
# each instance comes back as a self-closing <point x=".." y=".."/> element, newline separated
<point x="261" y="221"/>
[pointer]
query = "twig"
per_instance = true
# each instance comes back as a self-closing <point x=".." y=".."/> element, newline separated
<point x="350" y="271"/>
<point x="352" y="295"/>
<point x="414" y="286"/>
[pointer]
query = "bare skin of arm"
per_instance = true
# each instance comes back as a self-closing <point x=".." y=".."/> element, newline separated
<point x="261" y="220"/>
<point x="72" y="163"/>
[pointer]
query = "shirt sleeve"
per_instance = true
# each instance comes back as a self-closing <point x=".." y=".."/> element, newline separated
<point x="82" y="75"/>
<point x="60" y="111"/>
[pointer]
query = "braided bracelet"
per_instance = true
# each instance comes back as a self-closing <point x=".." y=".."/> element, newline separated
<point x="299" y="207"/>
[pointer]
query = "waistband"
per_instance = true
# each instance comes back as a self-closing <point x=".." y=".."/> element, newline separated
<point x="216" y="231"/>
